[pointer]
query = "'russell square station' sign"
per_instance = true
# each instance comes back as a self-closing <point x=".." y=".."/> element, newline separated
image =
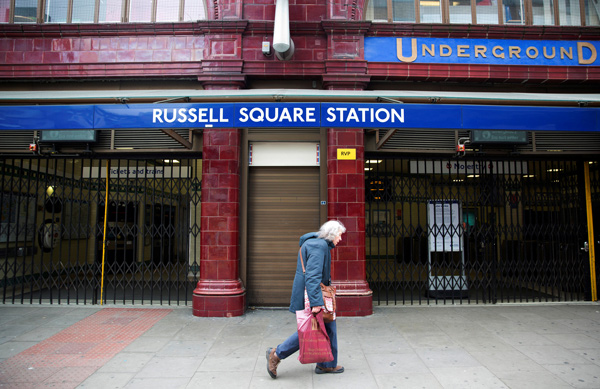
<point x="482" y="51"/>
<point x="298" y="115"/>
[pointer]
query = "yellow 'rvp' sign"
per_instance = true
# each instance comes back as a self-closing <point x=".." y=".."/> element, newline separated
<point x="346" y="153"/>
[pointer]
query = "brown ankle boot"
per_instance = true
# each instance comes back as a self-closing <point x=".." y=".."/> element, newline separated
<point x="272" y="362"/>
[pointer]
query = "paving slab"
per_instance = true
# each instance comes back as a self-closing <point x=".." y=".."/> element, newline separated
<point x="534" y="345"/>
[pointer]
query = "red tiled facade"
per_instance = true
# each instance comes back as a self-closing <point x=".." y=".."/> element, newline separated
<point x="222" y="53"/>
<point x="220" y="292"/>
<point x="320" y="34"/>
<point x="346" y="198"/>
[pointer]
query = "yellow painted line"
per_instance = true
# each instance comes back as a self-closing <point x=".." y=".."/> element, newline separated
<point x="104" y="234"/>
<point x="590" y="224"/>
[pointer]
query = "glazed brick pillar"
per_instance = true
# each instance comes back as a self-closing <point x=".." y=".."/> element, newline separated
<point x="346" y="69"/>
<point x="346" y="198"/>
<point x="220" y="292"/>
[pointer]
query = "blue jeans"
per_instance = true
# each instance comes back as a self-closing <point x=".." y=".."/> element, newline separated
<point x="292" y="344"/>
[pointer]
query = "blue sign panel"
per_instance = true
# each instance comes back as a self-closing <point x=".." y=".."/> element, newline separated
<point x="40" y="117"/>
<point x="390" y="116"/>
<point x="298" y="115"/>
<point x="277" y="115"/>
<point x="482" y="51"/>
<point x="164" y="116"/>
<point x="533" y="118"/>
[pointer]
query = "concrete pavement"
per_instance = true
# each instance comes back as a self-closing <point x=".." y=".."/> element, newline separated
<point x="483" y="346"/>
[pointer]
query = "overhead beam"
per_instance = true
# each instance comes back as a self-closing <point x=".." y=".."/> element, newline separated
<point x="184" y="98"/>
<point x="387" y="99"/>
<point x="178" y="138"/>
<point x="388" y="135"/>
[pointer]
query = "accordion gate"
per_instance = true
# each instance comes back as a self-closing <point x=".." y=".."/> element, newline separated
<point x="513" y="234"/>
<point x="54" y="239"/>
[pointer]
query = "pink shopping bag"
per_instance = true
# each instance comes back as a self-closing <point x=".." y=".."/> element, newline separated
<point x="314" y="342"/>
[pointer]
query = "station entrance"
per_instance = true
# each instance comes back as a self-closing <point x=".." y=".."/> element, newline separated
<point x="79" y="231"/>
<point x="478" y="230"/>
<point x="437" y="230"/>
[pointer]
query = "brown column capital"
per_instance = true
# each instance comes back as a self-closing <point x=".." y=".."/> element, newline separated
<point x="222" y="82"/>
<point x="346" y="81"/>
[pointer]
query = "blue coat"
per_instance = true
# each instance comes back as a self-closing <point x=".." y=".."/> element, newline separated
<point x="317" y="260"/>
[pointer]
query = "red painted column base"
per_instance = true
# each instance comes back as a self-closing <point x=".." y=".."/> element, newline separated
<point x="353" y="298"/>
<point x="219" y="299"/>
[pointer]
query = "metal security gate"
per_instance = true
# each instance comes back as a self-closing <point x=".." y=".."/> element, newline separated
<point x="283" y="204"/>
<point x="594" y="173"/>
<point x="79" y="231"/>
<point x="453" y="231"/>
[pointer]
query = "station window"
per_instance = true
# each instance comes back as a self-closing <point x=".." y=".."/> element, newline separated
<point x="25" y="11"/>
<point x="543" y="12"/>
<point x="140" y="11"/>
<point x="430" y="11"/>
<point x="101" y="11"/>
<point x="522" y="12"/>
<point x="460" y="11"/>
<point x="486" y="12"/>
<point x="83" y="11"/>
<point x="4" y="11"/>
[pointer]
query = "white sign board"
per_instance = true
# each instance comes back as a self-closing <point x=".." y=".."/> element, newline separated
<point x="284" y="154"/>
<point x="444" y="226"/>
<point x="468" y="167"/>
<point x="137" y="172"/>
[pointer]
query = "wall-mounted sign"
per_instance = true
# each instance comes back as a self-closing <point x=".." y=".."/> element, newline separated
<point x="299" y="115"/>
<point x="284" y="154"/>
<point x="499" y="137"/>
<point x="137" y="172"/>
<point x="443" y="224"/>
<point x="471" y="169"/>
<point x="59" y="136"/>
<point x="346" y="153"/>
<point x="482" y="51"/>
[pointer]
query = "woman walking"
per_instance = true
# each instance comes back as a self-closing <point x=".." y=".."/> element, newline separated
<point x="315" y="248"/>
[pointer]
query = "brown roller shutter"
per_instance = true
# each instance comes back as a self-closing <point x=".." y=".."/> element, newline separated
<point x="283" y="204"/>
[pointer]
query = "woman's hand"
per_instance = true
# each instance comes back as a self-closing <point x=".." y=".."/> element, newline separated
<point x="316" y="309"/>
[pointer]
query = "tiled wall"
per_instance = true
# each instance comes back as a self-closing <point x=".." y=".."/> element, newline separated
<point x="219" y="292"/>
<point x="102" y="49"/>
<point x="84" y="57"/>
<point x="346" y="199"/>
<point x="182" y="49"/>
<point x="220" y="204"/>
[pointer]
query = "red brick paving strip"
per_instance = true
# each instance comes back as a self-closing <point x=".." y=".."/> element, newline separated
<point x="68" y="358"/>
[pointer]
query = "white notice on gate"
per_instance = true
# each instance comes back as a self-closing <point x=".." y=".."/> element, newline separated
<point x="140" y="172"/>
<point x="444" y="226"/>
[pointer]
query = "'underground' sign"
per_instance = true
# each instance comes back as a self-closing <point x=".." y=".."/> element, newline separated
<point x="482" y="51"/>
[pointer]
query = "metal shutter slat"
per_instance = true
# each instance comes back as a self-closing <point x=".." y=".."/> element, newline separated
<point x="283" y="204"/>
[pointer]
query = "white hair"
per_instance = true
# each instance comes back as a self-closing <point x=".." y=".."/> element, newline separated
<point x="331" y="229"/>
